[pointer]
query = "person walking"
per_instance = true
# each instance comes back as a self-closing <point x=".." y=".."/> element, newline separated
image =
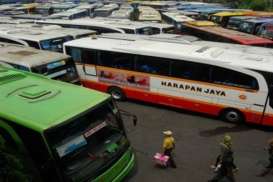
<point x="270" y="153"/>
<point x="225" y="162"/>
<point x="168" y="147"/>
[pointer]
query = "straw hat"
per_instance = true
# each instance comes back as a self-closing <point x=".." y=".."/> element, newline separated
<point x="168" y="132"/>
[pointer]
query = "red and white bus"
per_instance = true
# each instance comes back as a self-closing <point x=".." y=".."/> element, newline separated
<point x="211" y="32"/>
<point x="223" y="82"/>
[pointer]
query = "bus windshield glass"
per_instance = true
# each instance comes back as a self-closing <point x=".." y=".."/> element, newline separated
<point x="90" y="143"/>
<point x="148" y="31"/>
<point x="170" y="30"/>
<point x="60" y="70"/>
<point x="55" y="44"/>
<point x="247" y="27"/>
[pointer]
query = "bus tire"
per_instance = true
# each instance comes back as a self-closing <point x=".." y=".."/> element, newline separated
<point x="232" y="116"/>
<point x="116" y="93"/>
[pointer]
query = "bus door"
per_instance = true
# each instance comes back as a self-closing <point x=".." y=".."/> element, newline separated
<point x="15" y="165"/>
<point x="268" y="109"/>
<point x="89" y="60"/>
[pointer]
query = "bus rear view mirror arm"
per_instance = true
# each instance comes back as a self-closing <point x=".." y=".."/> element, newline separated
<point x="126" y="113"/>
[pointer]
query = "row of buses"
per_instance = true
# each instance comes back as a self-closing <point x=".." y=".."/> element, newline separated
<point x="231" y="81"/>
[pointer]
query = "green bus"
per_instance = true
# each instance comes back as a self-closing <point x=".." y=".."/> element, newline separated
<point x="55" y="131"/>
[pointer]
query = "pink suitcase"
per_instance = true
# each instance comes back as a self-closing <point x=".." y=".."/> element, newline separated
<point x="161" y="159"/>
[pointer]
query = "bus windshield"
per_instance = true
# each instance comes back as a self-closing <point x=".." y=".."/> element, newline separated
<point x="90" y="144"/>
<point x="247" y="27"/>
<point x="60" y="70"/>
<point x="55" y="44"/>
<point x="148" y="31"/>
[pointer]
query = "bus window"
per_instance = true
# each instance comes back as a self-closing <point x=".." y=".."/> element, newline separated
<point x="233" y="78"/>
<point x="97" y="141"/>
<point x="148" y="31"/>
<point x="75" y="53"/>
<point x="60" y="70"/>
<point x="33" y="44"/>
<point x="129" y="31"/>
<point x="89" y="56"/>
<point x="12" y="164"/>
<point x="7" y="40"/>
<point x="188" y="70"/>
<point x="117" y="60"/>
<point x="55" y="44"/>
<point x="153" y="65"/>
<point x="39" y="153"/>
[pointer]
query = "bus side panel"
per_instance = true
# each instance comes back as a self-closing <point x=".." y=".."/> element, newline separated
<point x="167" y="100"/>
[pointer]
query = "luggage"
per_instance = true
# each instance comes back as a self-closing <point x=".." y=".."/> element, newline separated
<point x="161" y="159"/>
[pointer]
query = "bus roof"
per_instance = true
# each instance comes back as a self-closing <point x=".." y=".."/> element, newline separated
<point x="233" y="13"/>
<point x="239" y="37"/>
<point x="40" y="103"/>
<point x="36" y="32"/>
<point x="27" y="56"/>
<point x="177" y="17"/>
<point x="206" y="54"/>
<point x="148" y="13"/>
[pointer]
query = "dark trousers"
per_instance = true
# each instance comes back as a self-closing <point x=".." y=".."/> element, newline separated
<point x="218" y="160"/>
<point x="225" y="172"/>
<point x="268" y="168"/>
<point x="171" y="162"/>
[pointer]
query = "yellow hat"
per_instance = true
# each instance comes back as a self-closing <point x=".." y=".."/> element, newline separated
<point x="227" y="139"/>
<point x="168" y="132"/>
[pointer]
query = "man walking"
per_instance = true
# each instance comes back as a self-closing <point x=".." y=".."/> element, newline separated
<point x="168" y="146"/>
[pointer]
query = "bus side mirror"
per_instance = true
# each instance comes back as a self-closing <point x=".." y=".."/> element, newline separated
<point x="126" y="113"/>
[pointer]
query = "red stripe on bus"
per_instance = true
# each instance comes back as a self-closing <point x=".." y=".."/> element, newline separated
<point x="180" y="102"/>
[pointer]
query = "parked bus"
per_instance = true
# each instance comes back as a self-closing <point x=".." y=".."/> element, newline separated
<point x="217" y="81"/>
<point x="235" y="21"/>
<point x="222" y="18"/>
<point x="209" y="31"/>
<point x="51" y="64"/>
<point x="43" y="37"/>
<point x="103" y="25"/>
<point x="176" y="18"/>
<point x="252" y="26"/>
<point x="70" y="14"/>
<point x="106" y="10"/>
<point x="147" y="13"/>
<point x="54" y="131"/>
<point x="266" y="30"/>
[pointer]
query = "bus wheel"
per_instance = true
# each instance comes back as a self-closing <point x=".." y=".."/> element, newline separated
<point x="116" y="93"/>
<point x="232" y="116"/>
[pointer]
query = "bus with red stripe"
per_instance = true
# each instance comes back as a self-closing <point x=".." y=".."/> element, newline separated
<point x="233" y="84"/>
<point x="212" y="32"/>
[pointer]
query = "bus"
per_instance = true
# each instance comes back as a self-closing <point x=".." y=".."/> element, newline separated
<point x="43" y="37"/>
<point x="252" y="26"/>
<point x="176" y="18"/>
<point x="222" y="18"/>
<point x="112" y="25"/>
<point x="209" y="31"/>
<point x="70" y="14"/>
<point x="222" y="82"/>
<point x="147" y="13"/>
<point x="106" y="10"/>
<point x="49" y="133"/>
<point x="51" y="64"/>
<point x="266" y="30"/>
<point x="235" y="21"/>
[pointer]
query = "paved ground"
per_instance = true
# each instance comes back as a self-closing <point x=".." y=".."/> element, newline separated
<point x="197" y="139"/>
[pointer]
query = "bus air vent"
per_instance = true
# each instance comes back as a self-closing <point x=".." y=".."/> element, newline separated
<point x="36" y="93"/>
<point x="22" y="53"/>
<point x="7" y="77"/>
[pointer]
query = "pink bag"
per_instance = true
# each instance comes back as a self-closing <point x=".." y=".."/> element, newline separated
<point x="161" y="159"/>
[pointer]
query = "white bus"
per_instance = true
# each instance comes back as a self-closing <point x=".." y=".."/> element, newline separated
<point x="222" y="82"/>
<point x="112" y="25"/>
<point x="106" y="10"/>
<point x="147" y="13"/>
<point x="43" y="37"/>
<point x="176" y="18"/>
<point x="51" y="64"/>
<point x="70" y="14"/>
